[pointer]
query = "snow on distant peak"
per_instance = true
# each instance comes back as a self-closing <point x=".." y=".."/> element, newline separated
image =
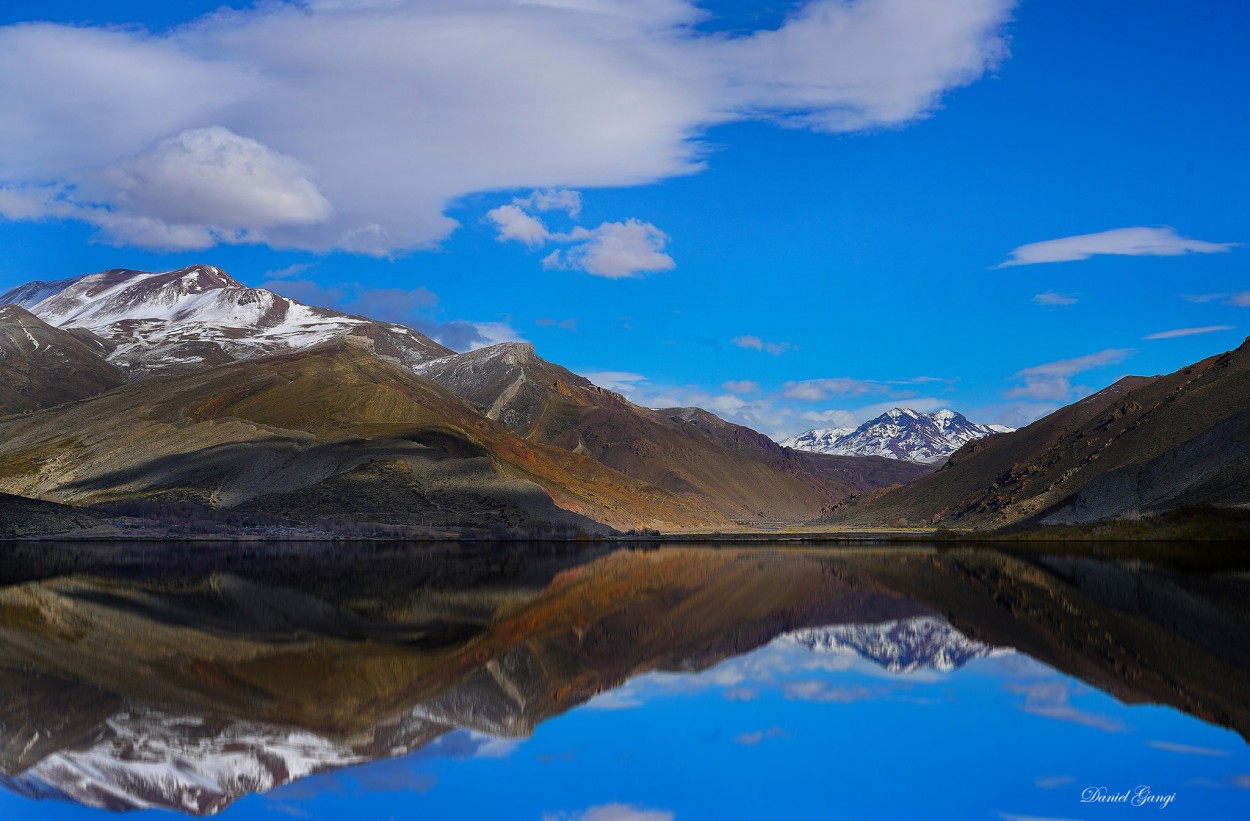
<point x="899" y="433"/>
<point x="902" y="646"/>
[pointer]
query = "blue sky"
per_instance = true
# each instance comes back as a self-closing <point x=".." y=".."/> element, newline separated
<point x="791" y="213"/>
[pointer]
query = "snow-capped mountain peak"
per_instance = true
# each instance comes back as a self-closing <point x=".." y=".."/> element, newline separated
<point x="903" y="646"/>
<point x="899" y="433"/>
<point x="201" y="316"/>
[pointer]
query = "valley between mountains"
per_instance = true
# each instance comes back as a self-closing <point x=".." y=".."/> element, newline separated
<point x="184" y="402"/>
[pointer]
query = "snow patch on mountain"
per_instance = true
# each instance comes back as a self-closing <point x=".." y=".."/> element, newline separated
<point x="899" y="433"/>
<point x="200" y="316"/>
<point x="146" y="758"/>
<point x="902" y="646"/>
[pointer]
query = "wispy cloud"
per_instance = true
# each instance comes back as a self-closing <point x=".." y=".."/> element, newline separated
<point x="824" y="692"/>
<point x="1206" y="329"/>
<point x="1161" y="241"/>
<point x="640" y="80"/>
<point x="1187" y="749"/>
<point x="562" y="324"/>
<point x="1238" y="299"/>
<point x="1053" y="380"/>
<point x="754" y="343"/>
<point x="815" y="390"/>
<point x="741" y="386"/>
<point x="1053" y="699"/>
<point x="1052" y="298"/>
<point x="415" y="307"/>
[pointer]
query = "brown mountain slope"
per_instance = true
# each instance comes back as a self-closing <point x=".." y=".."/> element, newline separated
<point x="1141" y="445"/>
<point x="331" y="430"/>
<point x="737" y="471"/>
<point x="42" y="366"/>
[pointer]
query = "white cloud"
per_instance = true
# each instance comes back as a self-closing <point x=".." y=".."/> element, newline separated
<point x="623" y="382"/>
<point x="373" y="116"/>
<point x="831" y="418"/>
<point x="1053" y="380"/>
<point x="754" y="343"/>
<point x="1162" y="241"/>
<point x="614" y="250"/>
<point x="553" y="199"/>
<point x="515" y="224"/>
<point x="493" y="333"/>
<point x="207" y="185"/>
<point x="1207" y="329"/>
<point x="1052" y="298"/>
<point x="814" y="390"/>
<point x="741" y="386"/>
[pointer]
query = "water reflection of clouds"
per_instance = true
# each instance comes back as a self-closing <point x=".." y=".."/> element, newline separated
<point x="1187" y="749"/>
<point x="612" y="812"/>
<point x="408" y="773"/>
<point x="794" y="671"/>
<point x="1053" y="699"/>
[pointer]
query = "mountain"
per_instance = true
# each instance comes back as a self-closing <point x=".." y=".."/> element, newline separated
<point x="902" y="646"/>
<point x="42" y="366"/>
<point x="900" y="433"/>
<point x="200" y="316"/>
<point x="238" y="398"/>
<point x="734" y="470"/>
<point x="332" y="430"/>
<point x="816" y="440"/>
<point x="1142" y="446"/>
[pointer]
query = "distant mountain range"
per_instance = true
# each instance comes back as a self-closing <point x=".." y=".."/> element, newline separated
<point x="130" y="393"/>
<point x="1143" y="446"/>
<point x="899" y="433"/>
<point x="187" y="387"/>
<point x="902" y="646"/>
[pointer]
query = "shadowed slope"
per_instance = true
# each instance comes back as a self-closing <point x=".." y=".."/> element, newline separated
<point x="42" y="366"/>
<point x="1142" y="445"/>
<point x="739" y="472"/>
<point x="331" y="430"/>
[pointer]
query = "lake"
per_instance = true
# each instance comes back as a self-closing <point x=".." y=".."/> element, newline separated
<point x="565" y="682"/>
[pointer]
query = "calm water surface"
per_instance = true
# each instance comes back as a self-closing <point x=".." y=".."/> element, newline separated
<point x="550" y="682"/>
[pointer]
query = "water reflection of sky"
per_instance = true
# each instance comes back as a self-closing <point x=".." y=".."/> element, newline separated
<point x="784" y="732"/>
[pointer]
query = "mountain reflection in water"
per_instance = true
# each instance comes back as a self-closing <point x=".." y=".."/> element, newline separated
<point x="188" y="677"/>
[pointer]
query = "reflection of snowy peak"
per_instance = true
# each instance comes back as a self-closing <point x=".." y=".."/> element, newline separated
<point x="898" y="434"/>
<point x="200" y="316"/>
<point x="146" y="758"/>
<point x="923" y="642"/>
